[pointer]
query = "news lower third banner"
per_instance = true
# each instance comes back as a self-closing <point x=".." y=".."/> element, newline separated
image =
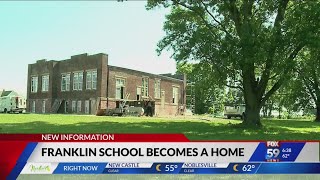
<point x="151" y="154"/>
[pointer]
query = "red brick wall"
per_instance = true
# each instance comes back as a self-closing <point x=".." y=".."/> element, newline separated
<point x="55" y="69"/>
<point x="134" y="79"/>
<point x="106" y="84"/>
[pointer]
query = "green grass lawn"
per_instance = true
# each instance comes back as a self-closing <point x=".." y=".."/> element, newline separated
<point x="194" y="129"/>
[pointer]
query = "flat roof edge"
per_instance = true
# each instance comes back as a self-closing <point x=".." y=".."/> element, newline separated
<point x="158" y="75"/>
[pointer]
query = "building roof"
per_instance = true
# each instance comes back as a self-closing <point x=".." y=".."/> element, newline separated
<point x="175" y="76"/>
<point x="148" y="74"/>
<point x="162" y="76"/>
<point x="5" y="93"/>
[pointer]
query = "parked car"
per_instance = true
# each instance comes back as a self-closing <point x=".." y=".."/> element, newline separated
<point x="235" y="111"/>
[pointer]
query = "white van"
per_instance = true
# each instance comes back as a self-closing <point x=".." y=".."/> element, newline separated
<point x="235" y="111"/>
<point x="12" y="102"/>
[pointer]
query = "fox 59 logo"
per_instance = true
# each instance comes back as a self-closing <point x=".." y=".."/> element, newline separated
<point x="273" y="151"/>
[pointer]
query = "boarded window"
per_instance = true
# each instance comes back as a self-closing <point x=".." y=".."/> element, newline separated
<point x="66" y="106"/>
<point x="79" y="106"/>
<point x="87" y="107"/>
<point x="43" y="106"/>
<point x="33" y="106"/>
<point x="74" y="106"/>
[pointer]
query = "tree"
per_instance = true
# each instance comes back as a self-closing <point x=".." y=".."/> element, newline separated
<point x="287" y="97"/>
<point x="308" y="75"/>
<point x="251" y="42"/>
<point x="208" y="93"/>
<point x="300" y="92"/>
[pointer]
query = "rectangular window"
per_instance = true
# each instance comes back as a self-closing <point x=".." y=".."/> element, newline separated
<point x="80" y="81"/>
<point x="145" y="85"/>
<point x="33" y="107"/>
<point x="79" y="106"/>
<point x="74" y="106"/>
<point x="91" y="79"/>
<point x="157" y="88"/>
<point x="175" y="95"/>
<point x="45" y="83"/>
<point x="77" y="81"/>
<point x="120" y="85"/>
<point x="87" y="107"/>
<point x="43" y="107"/>
<point x="94" y="79"/>
<point x="34" y="84"/>
<point x="65" y="82"/>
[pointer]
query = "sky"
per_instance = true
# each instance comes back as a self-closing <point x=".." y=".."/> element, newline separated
<point x="126" y="31"/>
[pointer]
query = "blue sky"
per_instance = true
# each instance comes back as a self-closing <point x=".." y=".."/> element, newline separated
<point x="126" y="31"/>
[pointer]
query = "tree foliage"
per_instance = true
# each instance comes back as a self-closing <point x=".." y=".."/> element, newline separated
<point x="209" y="94"/>
<point x="308" y="76"/>
<point x="253" y="43"/>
